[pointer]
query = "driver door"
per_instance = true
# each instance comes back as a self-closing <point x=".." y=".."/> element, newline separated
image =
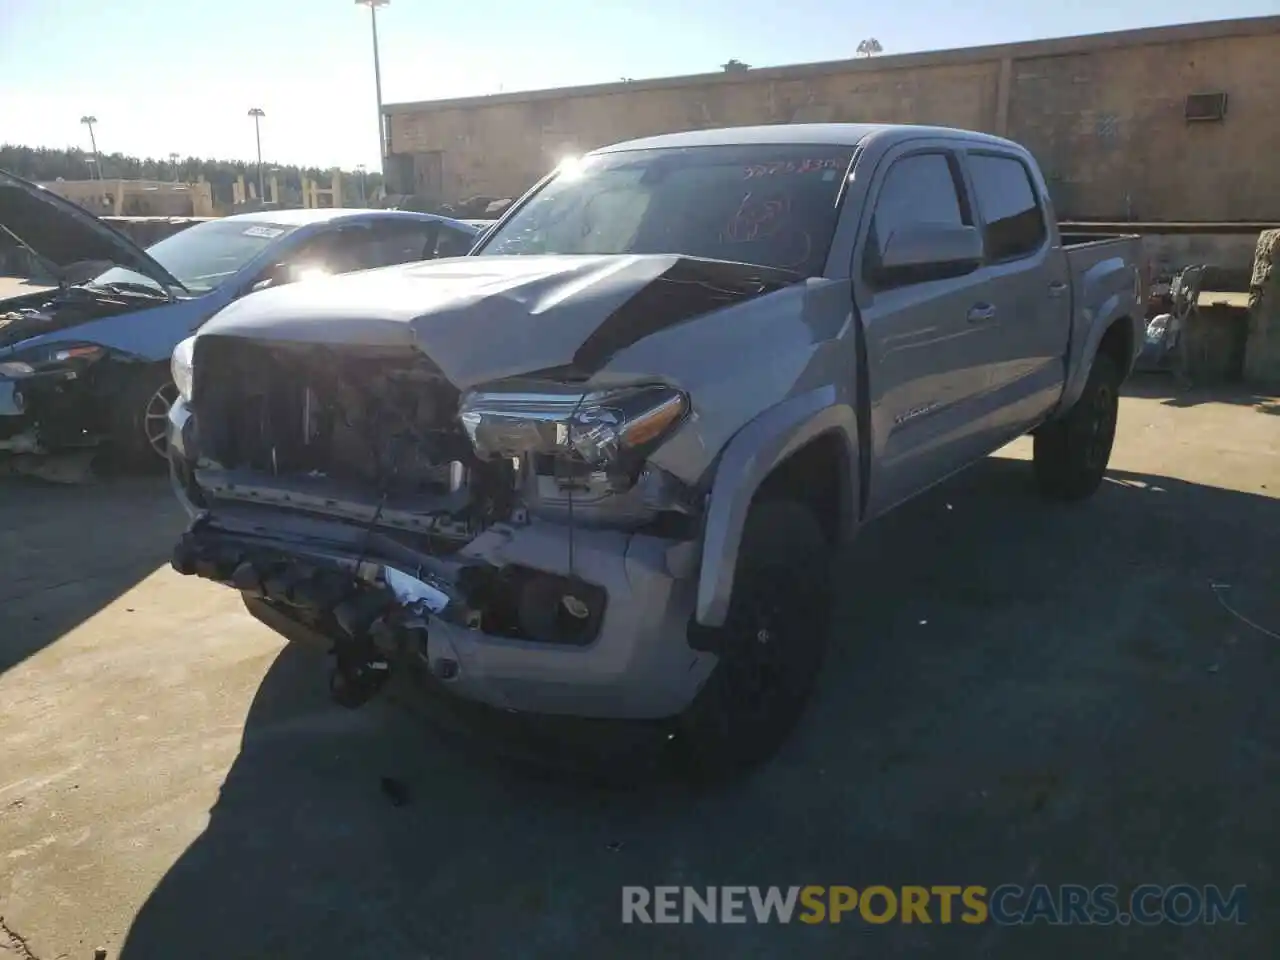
<point x="929" y="346"/>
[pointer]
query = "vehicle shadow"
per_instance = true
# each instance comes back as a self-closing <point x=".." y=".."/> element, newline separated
<point x="68" y="551"/>
<point x="1165" y="387"/>
<point x="1018" y="693"/>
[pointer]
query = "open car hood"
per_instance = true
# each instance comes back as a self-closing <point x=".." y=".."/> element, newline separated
<point x="483" y="318"/>
<point x="62" y="233"/>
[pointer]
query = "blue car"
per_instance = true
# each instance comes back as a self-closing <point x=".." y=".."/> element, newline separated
<point x="88" y="319"/>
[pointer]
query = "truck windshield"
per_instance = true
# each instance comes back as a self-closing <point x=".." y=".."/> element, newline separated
<point x="206" y="254"/>
<point x="774" y="205"/>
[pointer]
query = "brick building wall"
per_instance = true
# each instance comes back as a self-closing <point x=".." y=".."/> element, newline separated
<point x="1104" y="115"/>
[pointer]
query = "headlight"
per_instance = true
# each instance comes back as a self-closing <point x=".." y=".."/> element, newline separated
<point x="182" y="368"/>
<point x="598" y="426"/>
<point x="68" y="357"/>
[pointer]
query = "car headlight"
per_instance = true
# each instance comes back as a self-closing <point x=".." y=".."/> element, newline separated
<point x="63" y="357"/>
<point x="182" y="367"/>
<point x="598" y="427"/>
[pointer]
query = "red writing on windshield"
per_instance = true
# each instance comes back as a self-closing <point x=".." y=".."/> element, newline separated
<point x="788" y="166"/>
<point x="757" y="218"/>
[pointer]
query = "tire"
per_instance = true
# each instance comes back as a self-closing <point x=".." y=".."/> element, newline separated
<point x="770" y="648"/>
<point x="139" y="417"/>
<point x="1071" y="455"/>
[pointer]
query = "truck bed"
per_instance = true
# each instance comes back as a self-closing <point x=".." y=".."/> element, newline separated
<point x="1101" y="264"/>
<point x="1104" y="270"/>
<point x="1086" y="239"/>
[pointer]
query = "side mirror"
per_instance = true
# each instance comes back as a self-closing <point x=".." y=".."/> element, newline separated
<point x="283" y="273"/>
<point x="272" y="276"/>
<point x="929" y="251"/>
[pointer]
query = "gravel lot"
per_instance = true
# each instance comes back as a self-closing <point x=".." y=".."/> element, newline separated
<point x="1018" y="693"/>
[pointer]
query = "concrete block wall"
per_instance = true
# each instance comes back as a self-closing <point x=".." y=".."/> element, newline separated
<point x="1103" y="114"/>
<point x="1262" y="349"/>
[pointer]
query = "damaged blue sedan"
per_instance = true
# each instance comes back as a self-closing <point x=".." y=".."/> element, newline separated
<point x="88" y="319"/>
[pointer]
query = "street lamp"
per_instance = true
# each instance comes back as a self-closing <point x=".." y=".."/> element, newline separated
<point x="257" y="114"/>
<point x="89" y="120"/>
<point x="360" y="170"/>
<point x="373" y="6"/>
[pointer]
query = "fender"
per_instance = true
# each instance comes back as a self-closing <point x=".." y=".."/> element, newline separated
<point x="747" y="460"/>
<point x="1113" y="285"/>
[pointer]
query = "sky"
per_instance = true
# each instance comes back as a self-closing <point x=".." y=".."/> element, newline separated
<point x="181" y="77"/>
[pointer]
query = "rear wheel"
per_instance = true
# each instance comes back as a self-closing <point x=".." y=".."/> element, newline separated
<point x="770" y="648"/>
<point x="1071" y="454"/>
<point x="140" y="418"/>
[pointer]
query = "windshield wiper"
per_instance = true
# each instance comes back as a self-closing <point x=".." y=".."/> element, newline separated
<point x="128" y="286"/>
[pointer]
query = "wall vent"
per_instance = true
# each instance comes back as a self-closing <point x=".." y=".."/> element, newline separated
<point x="1205" y="106"/>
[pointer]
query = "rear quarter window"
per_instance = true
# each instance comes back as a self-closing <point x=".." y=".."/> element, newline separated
<point x="1013" y="219"/>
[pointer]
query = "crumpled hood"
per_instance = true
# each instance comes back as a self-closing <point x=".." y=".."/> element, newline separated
<point x="487" y="317"/>
<point x="62" y="233"/>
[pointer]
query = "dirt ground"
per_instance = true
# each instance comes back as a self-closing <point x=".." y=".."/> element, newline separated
<point x="1018" y="693"/>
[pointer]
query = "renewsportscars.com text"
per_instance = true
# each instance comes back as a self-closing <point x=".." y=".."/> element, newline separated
<point x="1005" y="905"/>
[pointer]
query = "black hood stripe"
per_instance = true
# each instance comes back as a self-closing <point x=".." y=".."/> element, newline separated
<point x="690" y="288"/>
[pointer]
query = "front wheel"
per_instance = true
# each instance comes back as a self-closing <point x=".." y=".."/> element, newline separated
<point x="140" y="418"/>
<point x="1071" y="454"/>
<point x="770" y="648"/>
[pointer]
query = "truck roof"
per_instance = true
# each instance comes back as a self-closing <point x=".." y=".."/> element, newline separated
<point x="850" y="134"/>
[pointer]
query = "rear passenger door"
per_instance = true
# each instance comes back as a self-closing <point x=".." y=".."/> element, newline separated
<point x="1027" y="282"/>
<point x="929" y="361"/>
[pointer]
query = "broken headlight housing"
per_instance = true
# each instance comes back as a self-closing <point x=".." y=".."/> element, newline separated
<point x="601" y="428"/>
<point x="65" y="358"/>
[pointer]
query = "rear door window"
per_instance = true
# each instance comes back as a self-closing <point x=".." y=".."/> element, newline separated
<point x="1013" y="218"/>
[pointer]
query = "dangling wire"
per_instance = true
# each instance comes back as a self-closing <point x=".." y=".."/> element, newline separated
<point x="569" y="433"/>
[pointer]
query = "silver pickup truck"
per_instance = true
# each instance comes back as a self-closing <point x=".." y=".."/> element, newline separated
<point x="596" y="468"/>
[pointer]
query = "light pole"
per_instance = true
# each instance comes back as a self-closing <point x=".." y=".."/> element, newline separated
<point x="257" y="114"/>
<point x="360" y="171"/>
<point x="89" y="120"/>
<point x="373" y="6"/>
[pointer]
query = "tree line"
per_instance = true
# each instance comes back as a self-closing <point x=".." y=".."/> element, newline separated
<point x="70" y="163"/>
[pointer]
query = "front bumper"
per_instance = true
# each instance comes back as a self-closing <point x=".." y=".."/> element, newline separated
<point x="17" y="432"/>
<point x="638" y="666"/>
<point x="53" y="411"/>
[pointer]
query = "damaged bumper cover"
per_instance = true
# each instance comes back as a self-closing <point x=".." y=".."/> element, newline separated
<point x="638" y="666"/>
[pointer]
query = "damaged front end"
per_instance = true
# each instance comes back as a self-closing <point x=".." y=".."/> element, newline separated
<point x="514" y="540"/>
<point x="57" y="392"/>
<point x="63" y="360"/>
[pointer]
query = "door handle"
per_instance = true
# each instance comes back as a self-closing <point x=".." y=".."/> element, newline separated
<point x="981" y="313"/>
<point x="1057" y="288"/>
